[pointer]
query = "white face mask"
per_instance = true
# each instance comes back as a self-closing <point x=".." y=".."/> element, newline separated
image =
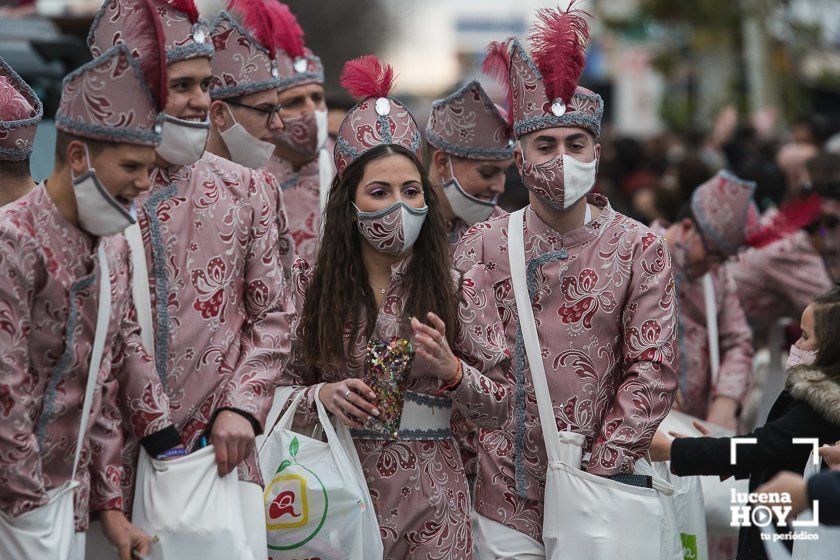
<point x="323" y="127"/>
<point x="392" y="230"/>
<point x="182" y="142"/>
<point x="467" y="207"/>
<point x="799" y="357"/>
<point x="99" y="213"/>
<point x="244" y="148"/>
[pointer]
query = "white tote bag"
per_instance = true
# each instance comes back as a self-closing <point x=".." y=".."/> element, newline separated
<point x="188" y="509"/>
<point x="49" y="531"/>
<point x="586" y="516"/>
<point x="317" y="503"/>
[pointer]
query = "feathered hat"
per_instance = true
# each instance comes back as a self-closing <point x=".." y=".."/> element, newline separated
<point x="725" y="211"/>
<point x="296" y="63"/>
<point x="377" y="119"/>
<point x="244" y="62"/>
<point x="20" y="113"/>
<point x="108" y="99"/>
<point x="544" y="90"/>
<point x="174" y="24"/>
<point x="468" y="124"/>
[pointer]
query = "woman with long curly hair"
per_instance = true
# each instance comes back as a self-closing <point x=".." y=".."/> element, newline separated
<point x="395" y="335"/>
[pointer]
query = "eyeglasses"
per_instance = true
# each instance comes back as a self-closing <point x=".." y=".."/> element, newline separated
<point x="270" y="112"/>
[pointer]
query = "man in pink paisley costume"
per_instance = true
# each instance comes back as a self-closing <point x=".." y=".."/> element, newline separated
<point x="220" y="329"/>
<point x="471" y="143"/>
<point x="302" y="161"/>
<point x="20" y="113"/>
<point x="49" y="297"/>
<point x="602" y="291"/>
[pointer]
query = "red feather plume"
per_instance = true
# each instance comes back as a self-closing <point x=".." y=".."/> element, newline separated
<point x="791" y="217"/>
<point x="288" y="35"/>
<point x="365" y="77"/>
<point x="496" y="65"/>
<point x="558" y="46"/>
<point x="186" y="6"/>
<point x="149" y="41"/>
<point x="259" y="19"/>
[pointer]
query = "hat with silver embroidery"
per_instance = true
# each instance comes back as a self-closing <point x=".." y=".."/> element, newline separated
<point x="20" y="113"/>
<point x="100" y="101"/>
<point x="175" y="23"/>
<point x="377" y="119"/>
<point x="725" y="211"/>
<point x="544" y="89"/>
<point x="468" y="124"/>
<point x="244" y="62"/>
<point x="296" y="63"/>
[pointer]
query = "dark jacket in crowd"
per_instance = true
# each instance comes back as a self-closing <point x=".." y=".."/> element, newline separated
<point x="825" y="487"/>
<point x="808" y="407"/>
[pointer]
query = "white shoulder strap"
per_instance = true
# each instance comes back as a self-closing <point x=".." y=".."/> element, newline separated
<point x="103" y="316"/>
<point x="516" y="254"/>
<point x="140" y="287"/>
<point x="712" y="326"/>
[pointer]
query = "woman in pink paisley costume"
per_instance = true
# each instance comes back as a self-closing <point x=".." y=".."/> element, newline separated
<point x="601" y="289"/>
<point x="385" y="242"/>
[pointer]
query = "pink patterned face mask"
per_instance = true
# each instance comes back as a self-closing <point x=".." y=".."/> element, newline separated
<point x="299" y="134"/>
<point x="392" y="230"/>
<point x="560" y="181"/>
<point x="799" y="357"/>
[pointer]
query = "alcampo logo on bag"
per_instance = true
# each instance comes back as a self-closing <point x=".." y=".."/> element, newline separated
<point x="296" y="504"/>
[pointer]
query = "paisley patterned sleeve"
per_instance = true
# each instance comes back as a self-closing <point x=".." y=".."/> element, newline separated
<point x="106" y="444"/>
<point x="736" y="343"/>
<point x="649" y="381"/>
<point x="265" y="335"/>
<point x="285" y="242"/>
<point x="21" y="475"/>
<point x="470" y="250"/>
<point x="484" y="395"/>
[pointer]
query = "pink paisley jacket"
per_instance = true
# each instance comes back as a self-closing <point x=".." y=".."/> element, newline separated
<point x="418" y="485"/>
<point x="49" y="291"/>
<point x="734" y="340"/>
<point x="604" y="302"/>
<point x="220" y="322"/>
<point x="458" y="227"/>
<point x="779" y="280"/>
<point x="301" y="191"/>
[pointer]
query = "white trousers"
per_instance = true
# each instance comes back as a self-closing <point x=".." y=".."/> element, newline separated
<point x="495" y="541"/>
<point x="253" y="512"/>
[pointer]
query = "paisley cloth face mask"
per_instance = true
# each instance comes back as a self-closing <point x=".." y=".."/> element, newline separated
<point x="560" y="181"/>
<point x="99" y="213"/>
<point x="301" y="134"/>
<point x="392" y="230"/>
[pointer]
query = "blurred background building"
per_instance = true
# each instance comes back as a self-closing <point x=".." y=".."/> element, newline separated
<point x="721" y="82"/>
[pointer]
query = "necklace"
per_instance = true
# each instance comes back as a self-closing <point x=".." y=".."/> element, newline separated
<point x="381" y="290"/>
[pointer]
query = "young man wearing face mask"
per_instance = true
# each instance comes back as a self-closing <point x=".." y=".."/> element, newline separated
<point x="20" y="113"/>
<point x="472" y="150"/>
<point x="302" y="161"/>
<point x="601" y="288"/>
<point x="54" y="242"/>
<point x="714" y="226"/>
<point x="214" y="281"/>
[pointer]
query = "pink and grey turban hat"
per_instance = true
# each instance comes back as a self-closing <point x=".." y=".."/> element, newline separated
<point x="244" y="62"/>
<point x="107" y="99"/>
<point x="20" y="113"/>
<point x="174" y="23"/>
<point x="468" y="124"/>
<point x="544" y="89"/>
<point x="296" y="63"/>
<point x="725" y="212"/>
<point x="377" y="119"/>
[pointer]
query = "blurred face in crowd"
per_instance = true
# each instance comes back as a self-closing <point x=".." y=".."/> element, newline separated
<point x="122" y="169"/>
<point x="189" y="89"/>
<point x="251" y="111"/>
<point x="483" y="179"/>
<point x="698" y="255"/>
<point x="302" y="99"/>
<point x="544" y="145"/>
<point x="387" y="180"/>
<point x="808" y="340"/>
